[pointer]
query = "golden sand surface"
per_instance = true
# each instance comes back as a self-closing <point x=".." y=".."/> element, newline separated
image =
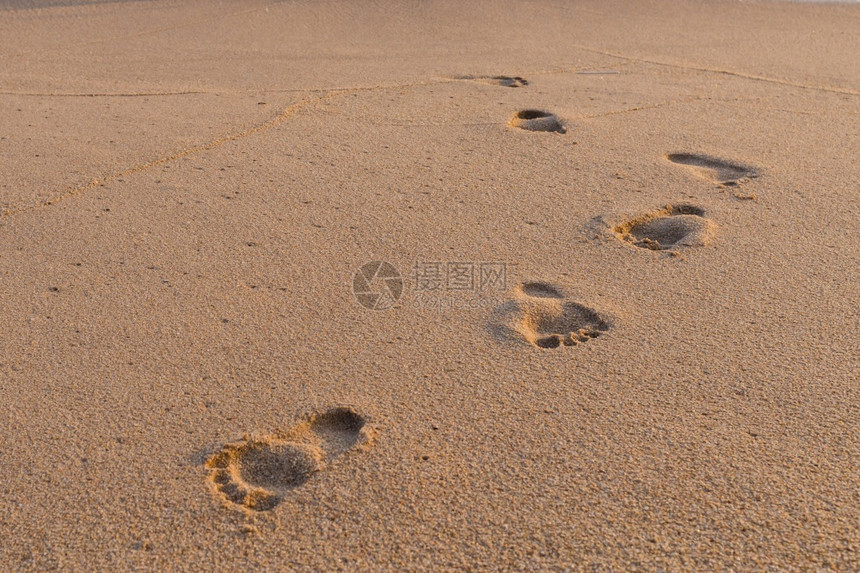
<point x="365" y="286"/>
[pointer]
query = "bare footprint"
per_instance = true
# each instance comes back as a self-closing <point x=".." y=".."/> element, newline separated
<point x="536" y="120"/>
<point x="504" y="81"/>
<point x="258" y="473"/>
<point x="719" y="171"/>
<point x="668" y="228"/>
<point x="509" y="81"/>
<point x="541" y="316"/>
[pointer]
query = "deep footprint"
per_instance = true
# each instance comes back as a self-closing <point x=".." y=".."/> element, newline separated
<point x="258" y="473"/>
<point x="536" y="120"/>
<point x="713" y="169"/>
<point x="542" y="317"/>
<point x="668" y="228"/>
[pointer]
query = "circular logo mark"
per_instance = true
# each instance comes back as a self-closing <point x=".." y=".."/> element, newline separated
<point x="377" y="285"/>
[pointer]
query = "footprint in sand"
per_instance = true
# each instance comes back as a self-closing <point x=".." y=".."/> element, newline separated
<point x="504" y="81"/>
<point x="719" y="171"/>
<point x="509" y="81"/>
<point x="257" y="473"/>
<point x="541" y="316"/>
<point x="536" y="120"/>
<point x="668" y="228"/>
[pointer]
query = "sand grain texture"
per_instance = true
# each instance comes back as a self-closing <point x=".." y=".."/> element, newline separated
<point x="187" y="190"/>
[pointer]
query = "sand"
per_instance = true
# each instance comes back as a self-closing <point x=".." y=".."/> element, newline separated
<point x="641" y="353"/>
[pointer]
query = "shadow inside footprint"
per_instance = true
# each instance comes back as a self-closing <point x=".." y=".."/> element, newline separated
<point x="257" y="473"/>
<point x="339" y="428"/>
<point x="510" y="81"/>
<point x="536" y="120"/>
<point x="674" y="226"/>
<point x="713" y="169"/>
<point x="500" y="80"/>
<point x="278" y="466"/>
<point x="540" y="290"/>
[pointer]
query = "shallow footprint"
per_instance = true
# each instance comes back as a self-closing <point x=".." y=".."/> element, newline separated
<point x="713" y="169"/>
<point x="536" y="120"/>
<point x="258" y="473"/>
<point x="668" y="228"/>
<point x="504" y="81"/>
<point x="509" y="81"/>
<point x="542" y="317"/>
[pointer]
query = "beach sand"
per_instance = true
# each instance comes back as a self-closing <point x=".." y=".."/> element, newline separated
<point x="626" y="340"/>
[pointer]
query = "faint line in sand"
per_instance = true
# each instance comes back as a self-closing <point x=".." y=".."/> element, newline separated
<point x="94" y="94"/>
<point x="414" y="84"/>
<point x="644" y="107"/>
<point x="331" y="90"/>
<point x="288" y="112"/>
<point x="720" y="71"/>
